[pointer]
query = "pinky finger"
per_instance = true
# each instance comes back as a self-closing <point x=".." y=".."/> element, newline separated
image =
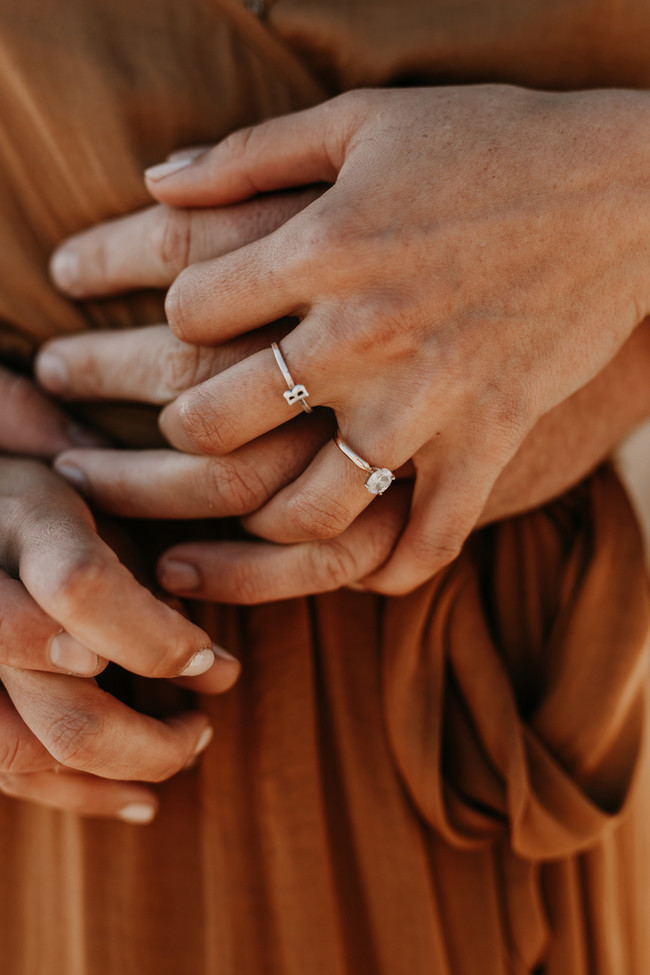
<point x="260" y="572"/>
<point x="83" y="794"/>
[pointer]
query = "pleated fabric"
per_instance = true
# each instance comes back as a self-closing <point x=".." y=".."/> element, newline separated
<point x="450" y="783"/>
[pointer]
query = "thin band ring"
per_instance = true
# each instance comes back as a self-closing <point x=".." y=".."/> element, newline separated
<point x="296" y="393"/>
<point x="379" y="479"/>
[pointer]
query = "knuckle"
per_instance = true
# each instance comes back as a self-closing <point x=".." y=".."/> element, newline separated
<point x="71" y="738"/>
<point x="81" y="579"/>
<point x="333" y="565"/>
<point x="178" y="304"/>
<point x="180" y="367"/>
<point x="172" y="239"/>
<point x="234" y="488"/>
<point x="316" y="517"/>
<point x="205" y="427"/>
<point x="247" y="583"/>
<point x="436" y="549"/>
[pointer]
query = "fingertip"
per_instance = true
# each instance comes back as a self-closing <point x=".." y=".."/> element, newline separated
<point x="51" y="370"/>
<point x="65" y="270"/>
<point x="138" y="813"/>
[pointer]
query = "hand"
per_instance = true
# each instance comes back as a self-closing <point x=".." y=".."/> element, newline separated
<point x="481" y="255"/>
<point x="564" y="446"/>
<point x="55" y="730"/>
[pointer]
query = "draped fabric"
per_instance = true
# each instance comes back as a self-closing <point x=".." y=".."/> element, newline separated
<point x="453" y="782"/>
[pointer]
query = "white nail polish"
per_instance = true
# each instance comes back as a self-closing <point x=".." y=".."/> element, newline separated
<point x="64" y="269"/>
<point x="138" y="813"/>
<point x="201" y="661"/>
<point x="162" y="170"/>
<point x="52" y="372"/>
<point x="206" y="737"/>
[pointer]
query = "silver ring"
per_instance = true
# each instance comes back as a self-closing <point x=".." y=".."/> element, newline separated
<point x="296" y="392"/>
<point x="379" y="479"/>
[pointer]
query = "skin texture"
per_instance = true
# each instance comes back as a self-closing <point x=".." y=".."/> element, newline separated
<point x="62" y="738"/>
<point x="152" y="365"/>
<point x="481" y="255"/>
<point x="500" y="188"/>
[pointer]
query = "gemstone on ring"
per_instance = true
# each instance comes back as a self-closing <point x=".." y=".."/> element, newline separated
<point x="379" y="480"/>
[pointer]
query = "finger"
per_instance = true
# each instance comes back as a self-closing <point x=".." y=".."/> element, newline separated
<point x="150" y="248"/>
<point x="32" y="640"/>
<point x="20" y="750"/>
<point x="257" y="572"/>
<point x="148" y="365"/>
<point x="84" y="728"/>
<point x="321" y="503"/>
<point x="85" y="795"/>
<point x="49" y="542"/>
<point x="188" y="486"/>
<point x="32" y="424"/>
<point x="248" y="399"/>
<point x="293" y="150"/>
<point x="449" y="496"/>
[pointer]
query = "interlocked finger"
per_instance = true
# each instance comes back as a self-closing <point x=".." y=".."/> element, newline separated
<point x="82" y="794"/>
<point x="148" y="365"/>
<point x="30" y="639"/>
<point x="49" y="543"/>
<point x="86" y="729"/>
<point x="150" y="248"/>
<point x="20" y="749"/>
<point x="248" y="399"/>
<point x="257" y="572"/>
<point x="190" y="486"/>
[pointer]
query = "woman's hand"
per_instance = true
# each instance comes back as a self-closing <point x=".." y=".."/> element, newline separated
<point x="481" y="255"/>
<point x="67" y="605"/>
<point x="151" y="364"/>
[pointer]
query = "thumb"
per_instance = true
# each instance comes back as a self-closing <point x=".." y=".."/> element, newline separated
<point x="293" y="150"/>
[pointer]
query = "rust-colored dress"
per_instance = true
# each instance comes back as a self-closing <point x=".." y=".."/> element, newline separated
<point x="450" y="783"/>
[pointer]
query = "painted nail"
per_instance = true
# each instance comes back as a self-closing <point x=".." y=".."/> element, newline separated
<point x="189" y="154"/>
<point x="52" y="372"/>
<point x="139" y="813"/>
<point x="70" y="655"/>
<point x="206" y="737"/>
<point x="201" y="661"/>
<point x="64" y="269"/>
<point x="73" y="476"/>
<point x="162" y="170"/>
<point x="177" y="575"/>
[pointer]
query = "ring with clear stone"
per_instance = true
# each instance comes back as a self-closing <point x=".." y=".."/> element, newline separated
<point x="379" y="479"/>
<point x="296" y="393"/>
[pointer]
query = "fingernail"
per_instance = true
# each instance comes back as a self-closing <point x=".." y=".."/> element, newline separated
<point x="82" y="437"/>
<point x="138" y="813"/>
<point x="201" y="661"/>
<point x="64" y="269"/>
<point x="68" y="654"/>
<point x="189" y="154"/>
<point x="177" y="575"/>
<point x="206" y="737"/>
<point x="165" y="169"/>
<point x="52" y="372"/>
<point x="220" y="652"/>
<point x="73" y="476"/>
